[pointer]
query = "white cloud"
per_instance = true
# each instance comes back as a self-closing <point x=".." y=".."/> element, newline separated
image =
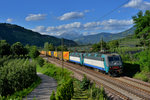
<point x="138" y="4"/>
<point x="90" y="25"/>
<point x="9" y="20"/>
<point x="39" y="29"/>
<point x="74" y="25"/>
<point x="71" y="15"/>
<point x="113" y="24"/>
<point x="87" y="28"/>
<point x="35" y="17"/>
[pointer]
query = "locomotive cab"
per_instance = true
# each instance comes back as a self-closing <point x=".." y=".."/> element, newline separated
<point x="114" y="64"/>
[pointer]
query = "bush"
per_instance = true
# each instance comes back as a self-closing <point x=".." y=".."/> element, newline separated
<point x="33" y="52"/>
<point x="18" y="49"/>
<point x="15" y="75"/>
<point x="40" y="61"/>
<point x="85" y="83"/>
<point x="65" y="91"/>
<point x="96" y="93"/>
<point x="144" y="60"/>
<point x="53" y="96"/>
<point x="4" y="48"/>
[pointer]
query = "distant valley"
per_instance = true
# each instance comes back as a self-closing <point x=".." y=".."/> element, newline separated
<point x="91" y="39"/>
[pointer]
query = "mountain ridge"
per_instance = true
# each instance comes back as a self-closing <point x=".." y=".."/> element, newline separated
<point x="91" y="39"/>
<point x="13" y="33"/>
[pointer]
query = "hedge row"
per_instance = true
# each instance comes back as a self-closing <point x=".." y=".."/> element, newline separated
<point x="16" y="74"/>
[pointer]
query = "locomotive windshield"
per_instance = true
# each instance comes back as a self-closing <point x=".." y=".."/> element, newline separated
<point x="113" y="58"/>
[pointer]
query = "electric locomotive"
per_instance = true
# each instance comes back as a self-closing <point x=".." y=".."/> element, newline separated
<point x="108" y="63"/>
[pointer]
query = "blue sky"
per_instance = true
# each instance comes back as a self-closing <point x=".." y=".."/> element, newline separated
<point x="56" y="17"/>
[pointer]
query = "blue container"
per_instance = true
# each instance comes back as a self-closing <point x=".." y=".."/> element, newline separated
<point x="52" y="53"/>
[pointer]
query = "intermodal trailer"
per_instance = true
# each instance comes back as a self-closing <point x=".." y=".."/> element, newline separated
<point x="55" y="54"/>
<point x="66" y="55"/>
<point x="59" y="55"/>
<point x="49" y="53"/>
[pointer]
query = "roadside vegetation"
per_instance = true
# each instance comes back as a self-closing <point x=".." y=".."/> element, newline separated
<point x="17" y="70"/>
<point x="68" y="88"/>
<point x="86" y="90"/>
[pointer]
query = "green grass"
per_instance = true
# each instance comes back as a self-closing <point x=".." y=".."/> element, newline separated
<point x="20" y="94"/>
<point x="142" y="76"/>
<point x="54" y="71"/>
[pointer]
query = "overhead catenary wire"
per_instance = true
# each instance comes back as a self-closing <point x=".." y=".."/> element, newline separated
<point x="113" y="10"/>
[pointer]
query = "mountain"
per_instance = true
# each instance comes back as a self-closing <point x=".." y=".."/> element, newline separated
<point x="70" y="35"/>
<point x="14" y="33"/>
<point x="91" y="39"/>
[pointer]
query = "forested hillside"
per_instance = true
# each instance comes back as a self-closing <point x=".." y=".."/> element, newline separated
<point x="14" y="33"/>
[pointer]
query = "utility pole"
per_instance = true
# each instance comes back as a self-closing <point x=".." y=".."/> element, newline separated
<point x="62" y="45"/>
<point x="101" y="44"/>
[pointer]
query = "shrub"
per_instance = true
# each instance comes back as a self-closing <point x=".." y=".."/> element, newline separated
<point x="33" y="52"/>
<point x="53" y="96"/>
<point x="15" y="75"/>
<point x="40" y="61"/>
<point x="4" y="48"/>
<point x="85" y="83"/>
<point x="144" y="60"/>
<point x="96" y="93"/>
<point x="18" y="49"/>
<point x="65" y="91"/>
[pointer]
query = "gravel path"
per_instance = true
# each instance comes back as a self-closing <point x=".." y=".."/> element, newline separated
<point x="44" y="90"/>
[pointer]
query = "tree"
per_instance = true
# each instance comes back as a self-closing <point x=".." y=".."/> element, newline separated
<point x="18" y="49"/>
<point x="59" y="48"/>
<point x="102" y="45"/>
<point x="142" y="24"/>
<point x="113" y="44"/>
<point x="34" y="53"/>
<point x="95" y="47"/>
<point x="4" y="48"/>
<point x="48" y="47"/>
<point x="51" y="47"/>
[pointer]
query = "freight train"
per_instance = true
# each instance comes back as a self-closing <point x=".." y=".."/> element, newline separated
<point x="109" y="63"/>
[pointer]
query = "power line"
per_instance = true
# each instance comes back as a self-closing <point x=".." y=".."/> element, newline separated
<point x="113" y="10"/>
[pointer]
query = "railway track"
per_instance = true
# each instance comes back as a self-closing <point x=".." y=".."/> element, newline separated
<point x="123" y="87"/>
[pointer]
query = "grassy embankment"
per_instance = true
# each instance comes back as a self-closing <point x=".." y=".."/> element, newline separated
<point x="82" y="89"/>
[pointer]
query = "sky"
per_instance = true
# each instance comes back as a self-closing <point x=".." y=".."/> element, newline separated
<point x="86" y="17"/>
